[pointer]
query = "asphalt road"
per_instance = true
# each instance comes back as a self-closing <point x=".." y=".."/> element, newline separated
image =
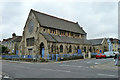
<point x="68" y="69"/>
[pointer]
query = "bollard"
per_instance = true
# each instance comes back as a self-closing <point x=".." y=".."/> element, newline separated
<point x="84" y="55"/>
<point x="89" y="55"/>
<point x="56" y="57"/>
<point x="52" y="56"/>
<point x="48" y="56"/>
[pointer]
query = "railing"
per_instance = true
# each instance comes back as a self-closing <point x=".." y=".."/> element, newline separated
<point x="93" y="55"/>
<point x="16" y="56"/>
<point x="63" y="56"/>
<point x="49" y="56"/>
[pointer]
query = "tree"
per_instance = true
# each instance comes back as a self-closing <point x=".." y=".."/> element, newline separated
<point x="3" y="49"/>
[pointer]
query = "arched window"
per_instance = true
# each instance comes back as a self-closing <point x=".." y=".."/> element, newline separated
<point x="52" y="48"/>
<point x="90" y="49"/>
<point x="67" y="50"/>
<point x="70" y="48"/>
<point x="78" y="47"/>
<point x="85" y="49"/>
<point x="61" y="48"/>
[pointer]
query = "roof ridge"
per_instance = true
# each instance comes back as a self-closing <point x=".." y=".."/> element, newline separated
<point x="54" y="16"/>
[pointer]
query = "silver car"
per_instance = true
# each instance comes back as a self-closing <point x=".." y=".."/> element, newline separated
<point x="109" y="54"/>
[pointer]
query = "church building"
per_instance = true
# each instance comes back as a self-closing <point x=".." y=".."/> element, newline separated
<point x="46" y="34"/>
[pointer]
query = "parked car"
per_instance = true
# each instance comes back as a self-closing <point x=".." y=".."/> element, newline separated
<point x="116" y="52"/>
<point x="109" y="54"/>
<point x="100" y="55"/>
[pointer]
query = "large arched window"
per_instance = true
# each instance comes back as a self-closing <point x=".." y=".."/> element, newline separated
<point x="52" y="48"/>
<point x="70" y="48"/>
<point x="61" y="48"/>
<point x="78" y="47"/>
<point x="66" y="48"/>
<point x="90" y="49"/>
<point x="85" y="49"/>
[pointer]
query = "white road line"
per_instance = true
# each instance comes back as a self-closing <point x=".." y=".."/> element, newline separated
<point x="88" y="62"/>
<point x="72" y="66"/>
<point x="64" y="65"/>
<point x="105" y="75"/>
<point x="6" y="76"/>
<point x="54" y="70"/>
<point x="96" y="63"/>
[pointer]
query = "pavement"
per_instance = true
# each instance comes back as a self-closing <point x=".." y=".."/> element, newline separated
<point x="85" y="68"/>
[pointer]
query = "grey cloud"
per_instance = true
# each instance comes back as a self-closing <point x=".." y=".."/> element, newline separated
<point x="97" y="19"/>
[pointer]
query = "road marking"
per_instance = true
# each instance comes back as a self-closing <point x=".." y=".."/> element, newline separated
<point x="88" y="62"/>
<point x="105" y="75"/>
<point x="54" y="70"/>
<point x="64" y="65"/>
<point x="40" y="63"/>
<point x="6" y="76"/>
<point x="72" y="66"/>
<point x="96" y="63"/>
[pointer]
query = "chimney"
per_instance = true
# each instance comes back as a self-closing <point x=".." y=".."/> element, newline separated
<point x="4" y="39"/>
<point x="13" y="35"/>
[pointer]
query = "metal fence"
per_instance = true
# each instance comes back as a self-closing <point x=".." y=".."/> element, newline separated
<point x="49" y="56"/>
<point x="62" y="56"/>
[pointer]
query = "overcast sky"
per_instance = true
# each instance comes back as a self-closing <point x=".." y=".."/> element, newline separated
<point x="98" y="19"/>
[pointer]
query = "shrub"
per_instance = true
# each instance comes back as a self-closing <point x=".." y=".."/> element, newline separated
<point x="59" y="59"/>
<point x="93" y="56"/>
<point x="70" y="58"/>
<point x="46" y="60"/>
<point x="65" y="59"/>
<point x="28" y="60"/>
<point x="42" y="60"/>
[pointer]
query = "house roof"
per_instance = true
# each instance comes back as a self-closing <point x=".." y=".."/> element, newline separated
<point x="96" y="41"/>
<point x="16" y="39"/>
<point x="114" y="40"/>
<point x="57" y="23"/>
<point x="64" y="39"/>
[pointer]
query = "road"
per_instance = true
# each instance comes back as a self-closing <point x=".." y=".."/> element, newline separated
<point x="87" y="68"/>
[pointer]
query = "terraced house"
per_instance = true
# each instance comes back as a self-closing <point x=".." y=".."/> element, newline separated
<point x="99" y="45"/>
<point x="12" y="43"/>
<point x="115" y="44"/>
<point x="45" y="34"/>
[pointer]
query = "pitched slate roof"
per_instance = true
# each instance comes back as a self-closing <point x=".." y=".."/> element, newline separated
<point x="64" y="39"/>
<point x="113" y="40"/>
<point x="16" y="39"/>
<point x="96" y="41"/>
<point x="57" y="23"/>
